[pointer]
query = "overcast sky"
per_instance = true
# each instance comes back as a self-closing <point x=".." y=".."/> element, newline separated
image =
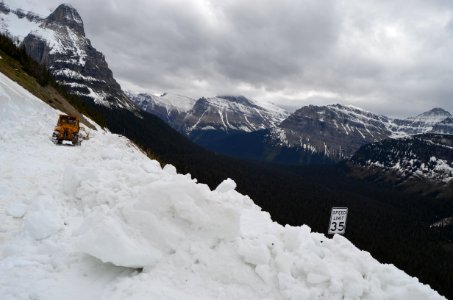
<point x="393" y="57"/>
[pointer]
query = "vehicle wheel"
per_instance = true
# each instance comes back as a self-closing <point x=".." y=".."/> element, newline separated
<point x="75" y="139"/>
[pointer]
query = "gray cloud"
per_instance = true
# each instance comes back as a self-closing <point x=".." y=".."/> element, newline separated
<point x="390" y="57"/>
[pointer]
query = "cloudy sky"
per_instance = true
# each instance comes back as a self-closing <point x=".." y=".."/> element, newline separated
<point x="393" y="57"/>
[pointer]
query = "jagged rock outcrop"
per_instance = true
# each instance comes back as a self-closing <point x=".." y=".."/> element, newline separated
<point x="59" y="42"/>
<point x="65" y="15"/>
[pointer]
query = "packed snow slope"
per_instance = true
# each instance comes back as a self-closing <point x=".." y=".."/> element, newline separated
<point x="102" y="221"/>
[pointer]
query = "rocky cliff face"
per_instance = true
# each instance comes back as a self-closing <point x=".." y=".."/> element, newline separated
<point x="231" y="113"/>
<point x="443" y="127"/>
<point x="170" y="108"/>
<point x="433" y="121"/>
<point x="335" y="130"/>
<point x="223" y="113"/>
<point x="338" y="131"/>
<point x="59" y="42"/>
<point x="422" y="163"/>
<point x="65" y="15"/>
<point x="426" y="155"/>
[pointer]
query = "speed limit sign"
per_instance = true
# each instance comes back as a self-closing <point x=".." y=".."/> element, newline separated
<point x="338" y="220"/>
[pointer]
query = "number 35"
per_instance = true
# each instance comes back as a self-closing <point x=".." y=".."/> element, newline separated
<point x="334" y="226"/>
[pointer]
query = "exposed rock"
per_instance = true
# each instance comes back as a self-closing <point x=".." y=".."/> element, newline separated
<point x="222" y="113"/>
<point x="37" y="48"/>
<point x="420" y="163"/>
<point x="335" y="130"/>
<point x="65" y="15"/>
<point x="444" y="127"/>
<point x="59" y="43"/>
<point x="425" y="122"/>
<point x="338" y="131"/>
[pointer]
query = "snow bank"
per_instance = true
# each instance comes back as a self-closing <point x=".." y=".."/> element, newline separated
<point x="42" y="219"/>
<point x="102" y="221"/>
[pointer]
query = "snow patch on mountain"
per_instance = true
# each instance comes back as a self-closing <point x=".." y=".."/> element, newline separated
<point x="171" y="102"/>
<point x="270" y="106"/>
<point x="18" y="27"/>
<point x="15" y="27"/>
<point x="431" y="117"/>
<point x="436" y="169"/>
<point x="102" y="221"/>
<point x="230" y="113"/>
<point x="427" y="156"/>
<point x="179" y="102"/>
<point x="59" y="43"/>
<point x="334" y="130"/>
<point x="340" y="130"/>
<point x="224" y="113"/>
<point x="436" y="120"/>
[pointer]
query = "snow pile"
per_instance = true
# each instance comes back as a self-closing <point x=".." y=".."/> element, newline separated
<point x="102" y="221"/>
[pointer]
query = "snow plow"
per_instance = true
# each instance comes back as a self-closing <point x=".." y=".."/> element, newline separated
<point x="67" y="130"/>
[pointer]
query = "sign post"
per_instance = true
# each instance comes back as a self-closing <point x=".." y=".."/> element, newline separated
<point x="338" y="220"/>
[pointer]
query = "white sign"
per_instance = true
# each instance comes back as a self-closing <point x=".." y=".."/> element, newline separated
<point x="338" y="220"/>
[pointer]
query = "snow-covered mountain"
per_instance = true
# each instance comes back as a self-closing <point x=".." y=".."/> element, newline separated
<point x="429" y="156"/>
<point x="335" y="130"/>
<point x="221" y="113"/>
<point x="338" y="130"/>
<point x="59" y="42"/>
<point x="311" y="135"/>
<point x="231" y="113"/>
<point x="437" y="120"/>
<point x="102" y="221"/>
<point x="422" y="162"/>
<point x="171" y="108"/>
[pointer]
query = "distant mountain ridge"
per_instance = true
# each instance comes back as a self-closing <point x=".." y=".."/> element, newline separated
<point x="436" y="120"/>
<point x="421" y="162"/>
<point x="338" y="130"/>
<point x="224" y="123"/>
<point x="169" y="108"/>
<point x="334" y="131"/>
<point x="222" y="113"/>
<point x="59" y="42"/>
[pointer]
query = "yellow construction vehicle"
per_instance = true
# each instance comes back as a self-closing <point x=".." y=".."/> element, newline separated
<point x="67" y="129"/>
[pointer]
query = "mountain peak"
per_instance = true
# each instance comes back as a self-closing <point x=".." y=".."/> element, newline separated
<point x="432" y="116"/>
<point x="238" y="99"/>
<point x="437" y="111"/>
<point x="66" y="14"/>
